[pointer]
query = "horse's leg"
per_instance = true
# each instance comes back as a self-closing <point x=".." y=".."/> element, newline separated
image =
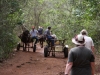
<point x="23" y="46"/>
<point x="32" y="44"/>
<point x="32" y="40"/>
<point x="28" y="47"/>
<point x="42" y="43"/>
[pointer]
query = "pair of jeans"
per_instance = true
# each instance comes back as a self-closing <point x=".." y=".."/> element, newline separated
<point x="36" y="39"/>
<point x="51" y="40"/>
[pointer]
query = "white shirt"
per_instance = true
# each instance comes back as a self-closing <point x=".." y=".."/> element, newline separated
<point x="88" y="42"/>
<point x="34" y="33"/>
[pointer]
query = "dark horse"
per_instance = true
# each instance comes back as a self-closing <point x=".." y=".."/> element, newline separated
<point x="25" y="38"/>
<point x="42" y="39"/>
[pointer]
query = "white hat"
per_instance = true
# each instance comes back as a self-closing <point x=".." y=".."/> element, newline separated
<point x="79" y="40"/>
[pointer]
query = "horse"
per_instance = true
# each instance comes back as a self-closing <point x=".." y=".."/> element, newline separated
<point x="42" y="39"/>
<point x="26" y="39"/>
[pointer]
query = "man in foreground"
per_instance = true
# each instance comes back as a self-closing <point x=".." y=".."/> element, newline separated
<point x="80" y="59"/>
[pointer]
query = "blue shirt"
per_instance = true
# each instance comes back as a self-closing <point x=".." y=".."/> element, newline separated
<point x="34" y="33"/>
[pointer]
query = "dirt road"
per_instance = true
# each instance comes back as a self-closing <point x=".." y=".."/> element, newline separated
<point x="33" y="63"/>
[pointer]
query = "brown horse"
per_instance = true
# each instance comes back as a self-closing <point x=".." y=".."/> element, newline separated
<point x="26" y="39"/>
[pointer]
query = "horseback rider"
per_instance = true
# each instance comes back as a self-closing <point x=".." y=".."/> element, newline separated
<point x="34" y="34"/>
<point x="48" y="35"/>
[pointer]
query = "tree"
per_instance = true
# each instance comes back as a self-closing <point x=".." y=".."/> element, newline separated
<point x="9" y="17"/>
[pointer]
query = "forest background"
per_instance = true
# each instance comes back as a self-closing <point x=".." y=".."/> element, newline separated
<point x="66" y="17"/>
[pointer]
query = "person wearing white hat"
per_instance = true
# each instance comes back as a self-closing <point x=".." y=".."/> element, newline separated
<point x="89" y="42"/>
<point x="80" y="59"/>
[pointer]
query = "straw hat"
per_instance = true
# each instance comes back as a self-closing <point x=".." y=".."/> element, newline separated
<point x="78" y="40"/>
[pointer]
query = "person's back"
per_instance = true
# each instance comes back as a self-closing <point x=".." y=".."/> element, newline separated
<point x="40" y="31"/>
<point x="47" y="32"/>
<point x="80" y="59"/>
<point x="48" y="36"/>
<point x="89" y="42"/>
<point x="82" y="55"/>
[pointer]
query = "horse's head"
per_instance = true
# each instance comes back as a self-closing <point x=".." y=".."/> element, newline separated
<point x="25" y="36"/>
<point x="26" y="33"/>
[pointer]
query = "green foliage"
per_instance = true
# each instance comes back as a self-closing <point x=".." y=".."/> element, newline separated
<point x="66" y="17"/>
<point x="9" y="17"/>
<point x="87" y="16"/>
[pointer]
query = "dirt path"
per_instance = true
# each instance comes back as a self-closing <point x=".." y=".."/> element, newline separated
<point x="30" y="63"/>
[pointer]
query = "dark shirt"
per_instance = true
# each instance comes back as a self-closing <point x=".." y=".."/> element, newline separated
<point x="40" y="31"/>
<point x="47" y="32"/>
<point x="81" y="58"/>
